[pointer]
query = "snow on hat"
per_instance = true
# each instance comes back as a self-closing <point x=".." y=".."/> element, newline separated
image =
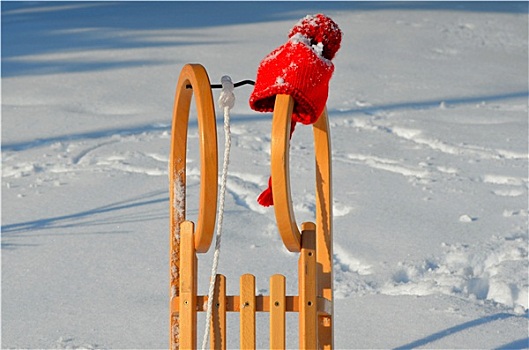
<point x="301" y="68"/>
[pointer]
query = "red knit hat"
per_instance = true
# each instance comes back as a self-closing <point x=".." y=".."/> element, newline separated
<point x="301" y="68"/>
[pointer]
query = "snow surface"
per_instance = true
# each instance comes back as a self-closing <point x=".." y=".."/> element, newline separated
<point x="429" y="116"/>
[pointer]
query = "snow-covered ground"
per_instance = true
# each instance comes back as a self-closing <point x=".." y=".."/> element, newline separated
<point x="429" y="115"/>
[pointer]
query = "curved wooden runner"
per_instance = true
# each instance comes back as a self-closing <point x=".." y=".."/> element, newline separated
<point x="285" y="218"/>
<point x="193" y="81"/>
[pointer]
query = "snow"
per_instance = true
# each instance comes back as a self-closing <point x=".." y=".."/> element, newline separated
<point x="428" y="109"/>
<point x="299" y="38"/>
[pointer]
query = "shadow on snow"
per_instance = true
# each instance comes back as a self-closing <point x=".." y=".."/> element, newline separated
<point x="434" y="103"/>
<point x="245" y="118"/>
<point x="87" y="218"/>
<point x="519" y="344"/>
<point x="515" y="345"/>
<point x="30" y="29"/>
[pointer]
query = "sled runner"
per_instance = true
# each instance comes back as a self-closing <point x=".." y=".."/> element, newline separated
<point x="314" y="302"/>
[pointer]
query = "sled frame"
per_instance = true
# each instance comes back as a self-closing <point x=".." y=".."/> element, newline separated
<point x="313" y="242"/>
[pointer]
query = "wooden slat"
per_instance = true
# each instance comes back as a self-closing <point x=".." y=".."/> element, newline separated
<point x="247" y="312"/>
<point x="277" y="312"/>
<point x="218" y="315"/>
<point x="307" y="288"/>
<point x="188" y="287"/>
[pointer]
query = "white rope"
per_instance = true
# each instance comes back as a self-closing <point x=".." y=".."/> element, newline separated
<point x="226" y="101"/>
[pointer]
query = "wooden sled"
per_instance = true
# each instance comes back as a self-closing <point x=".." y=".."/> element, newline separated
<point x="314" y="242"/>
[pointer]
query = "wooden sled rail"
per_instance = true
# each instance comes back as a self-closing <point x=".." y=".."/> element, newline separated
<point x="280" y="150"/>
<point x="193" y="75"/>
<point x="284" y="212"/>
<point x="196" y="76"/>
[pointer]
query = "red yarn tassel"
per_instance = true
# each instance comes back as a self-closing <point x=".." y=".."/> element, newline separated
<point x="266" y="198"/>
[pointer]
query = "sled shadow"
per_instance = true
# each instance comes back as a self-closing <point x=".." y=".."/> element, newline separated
<point x="124" y="131"/>
<point x="461" y="327"/>
<point x="246" y="118"/>
<point x="434" y="103"/>
<point x="90" y="135"/>
<point x="515" y="345"/>
<point x="89" y="217"/>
